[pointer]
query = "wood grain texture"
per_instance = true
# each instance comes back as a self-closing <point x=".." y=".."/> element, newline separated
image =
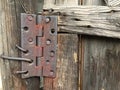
<point x="10" y="36"/>
<point x="67" y="64"/>
<point x="90" y="20"/>
<point x="101" y="63"/>
<point x="29" y="6"/>
<point x="94" y="2"/>
<point x="113" y="2"/>
<point x="67" y="3"/>
<point x="53" y="3"/>
<point x="49" y="3"/>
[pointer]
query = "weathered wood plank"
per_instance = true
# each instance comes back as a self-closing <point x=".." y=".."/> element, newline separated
<point x="66" y="2"/>
<point x="48" y="3"/>
<point x="67" y="64"/>
<point x="91" y="20"/>
<point x="113" y="2"/>
<point x="53" y="3"/>
<point x="10" y="36"/>
<point x="101" y="63"/>
<point x="93" y="2"/>
<point x="28" y="6"/>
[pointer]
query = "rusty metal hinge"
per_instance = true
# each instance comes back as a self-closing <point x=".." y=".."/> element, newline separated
<point x="39" y="44"/>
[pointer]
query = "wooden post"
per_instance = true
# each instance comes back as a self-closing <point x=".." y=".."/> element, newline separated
<point x="9" y="37"/>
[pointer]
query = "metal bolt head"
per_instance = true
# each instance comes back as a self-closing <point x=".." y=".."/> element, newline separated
<point x="47" y="20"/>
<point x="30" y="17"/>
<point x="30" y="39"/>
<point x="48" y="42"/>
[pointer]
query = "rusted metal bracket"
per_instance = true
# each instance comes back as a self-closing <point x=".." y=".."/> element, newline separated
<point x="39" y="43"/>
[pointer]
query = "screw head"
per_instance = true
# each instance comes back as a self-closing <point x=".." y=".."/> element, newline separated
<point x="30" y="39"/>
<point x="47" y="20"/>
<point x="30" y="17"/>
<point x="48" y="42"/>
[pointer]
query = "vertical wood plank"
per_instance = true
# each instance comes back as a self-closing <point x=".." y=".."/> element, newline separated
<point x="101" y="64"/>
<point x="10" y="36"/>
<point x="67" y="65"/>
<point x="82" y="45"/>
<point x="81" y="62"/>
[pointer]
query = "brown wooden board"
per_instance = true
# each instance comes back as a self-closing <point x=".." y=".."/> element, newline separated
<point x="67" y="64"/>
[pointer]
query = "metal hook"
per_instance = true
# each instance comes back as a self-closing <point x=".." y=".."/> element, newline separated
<point x="21" y="72"/>
<point x="22" y="49"/>
<point x="16" y="58"/>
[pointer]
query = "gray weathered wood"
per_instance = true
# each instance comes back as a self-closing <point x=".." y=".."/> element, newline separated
<point x="113" y="2"/>
<point x="67" y="3"/>
<point x="101" y="63"/>
<point x="10" y="36"/>
<point x="90" y="20"/>
<point x="48" y="3"/>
